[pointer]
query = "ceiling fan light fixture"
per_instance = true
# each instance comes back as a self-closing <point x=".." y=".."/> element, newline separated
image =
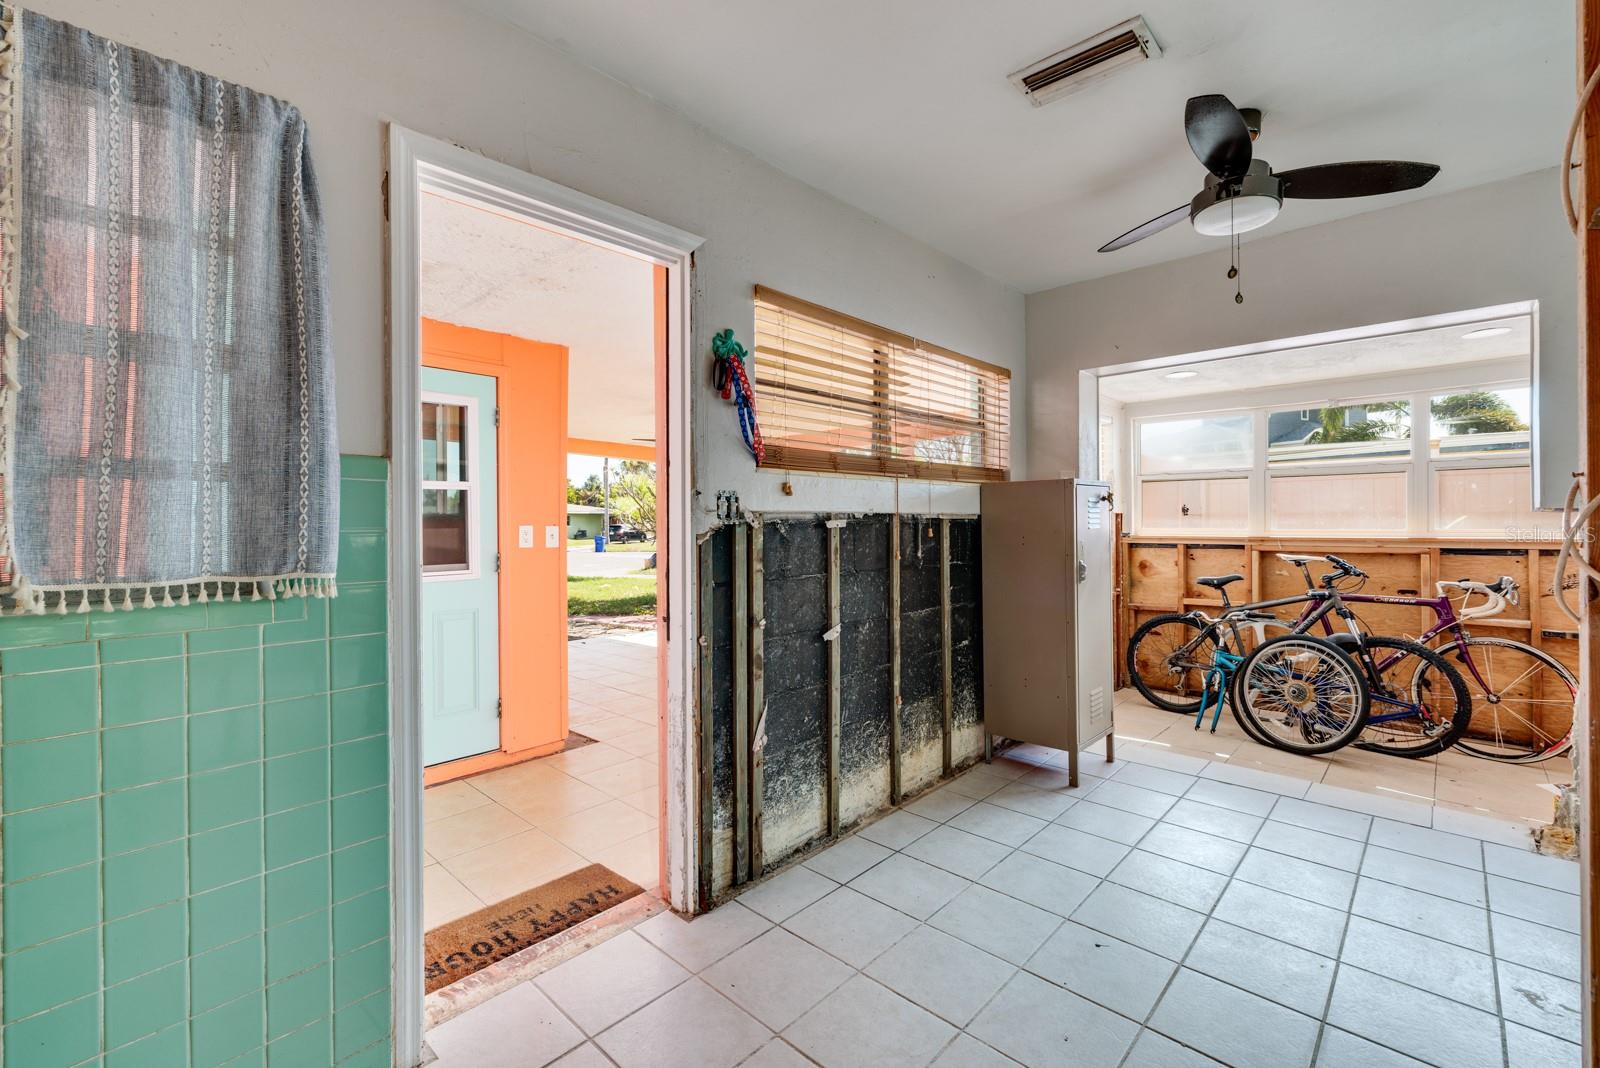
<point x="1485" y="331"/>
<point x="1236" y="215"/>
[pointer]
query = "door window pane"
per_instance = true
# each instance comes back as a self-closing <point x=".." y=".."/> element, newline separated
<point x="445" y="544"/>
<point x="1497" y="501"/>
<point x="1378" y="430"/>
<point x="444" y="446"/>
<point x="1204" y="443"/>
<point x="1353" y="503"/>
<point x="1480" y="422"/>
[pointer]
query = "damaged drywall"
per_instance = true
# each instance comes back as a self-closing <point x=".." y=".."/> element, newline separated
<point x="800" y="627"/>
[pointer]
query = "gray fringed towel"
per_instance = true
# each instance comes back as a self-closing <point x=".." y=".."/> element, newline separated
<point x="167" y="408"/>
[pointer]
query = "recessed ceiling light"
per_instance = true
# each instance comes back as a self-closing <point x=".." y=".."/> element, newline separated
<point x="1182" y="374"/>
<point x="1485" y="331"/>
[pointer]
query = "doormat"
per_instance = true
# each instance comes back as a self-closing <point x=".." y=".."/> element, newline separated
<point x="475" y="941"/>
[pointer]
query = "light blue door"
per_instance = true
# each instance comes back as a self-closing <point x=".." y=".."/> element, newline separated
<point x="460" y="564"/>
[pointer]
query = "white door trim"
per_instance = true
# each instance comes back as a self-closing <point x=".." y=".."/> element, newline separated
<point x="414" y="161"/>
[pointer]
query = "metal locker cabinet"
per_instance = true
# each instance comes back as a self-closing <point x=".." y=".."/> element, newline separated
<point x="1048" y="661"/>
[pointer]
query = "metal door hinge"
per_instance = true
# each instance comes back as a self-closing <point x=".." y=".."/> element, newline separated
<point x="497" y="563"/>
<point x="497" y="417"/>
<point x="499" y="705"/>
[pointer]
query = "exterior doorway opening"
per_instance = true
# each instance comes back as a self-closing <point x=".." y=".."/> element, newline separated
<point x="535" y="338"/>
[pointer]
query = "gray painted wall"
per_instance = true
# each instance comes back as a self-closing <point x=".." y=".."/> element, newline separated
<point x="461" y="76"/>
<point x="1493" y="244"/>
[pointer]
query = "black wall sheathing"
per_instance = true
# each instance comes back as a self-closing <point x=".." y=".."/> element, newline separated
<point x="966" y="635"/>
<point x="794" y="791"/>
<point x="722" y="699"/>
<point x="795" y="785"/>
<point x="921" y="655"/>
<point x="865" y="687"/>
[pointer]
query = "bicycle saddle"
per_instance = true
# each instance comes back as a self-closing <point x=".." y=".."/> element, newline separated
<point x="1216" y="582"/>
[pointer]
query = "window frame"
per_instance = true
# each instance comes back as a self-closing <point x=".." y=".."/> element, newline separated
<point x="884" y="458"/>
<point x="1421" y="467"/>
<point x="468" y="486"/>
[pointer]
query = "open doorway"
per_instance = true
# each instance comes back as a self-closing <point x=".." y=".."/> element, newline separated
<point x="1387" y="471"/>
<point x="534" y="326"/>
<point x="540" y="749"/>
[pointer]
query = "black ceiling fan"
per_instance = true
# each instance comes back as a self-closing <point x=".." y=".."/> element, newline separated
<point x="1242" y="193"/>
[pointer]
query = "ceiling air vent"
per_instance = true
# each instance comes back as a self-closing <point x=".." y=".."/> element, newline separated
<point x="1087" y="61"/>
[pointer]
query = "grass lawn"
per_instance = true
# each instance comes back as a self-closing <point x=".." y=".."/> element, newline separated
<point x="623" y="547"/>
<point x="611" y="595"/>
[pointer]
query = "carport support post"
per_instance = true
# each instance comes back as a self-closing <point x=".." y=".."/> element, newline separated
<point x="741" y="702"/>
<point x="834" y="614"/>
<point x="894" y="659"/>
<point x="944" y="640"/>
<point x="758" y="696"/>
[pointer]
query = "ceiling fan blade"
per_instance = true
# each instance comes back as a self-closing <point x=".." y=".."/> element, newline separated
<point x="1365" y="178"/>
<point x="1218" y="135"/>
<point x="1144" y="230"/>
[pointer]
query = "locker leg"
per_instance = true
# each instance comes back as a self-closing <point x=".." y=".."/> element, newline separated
<point x="988" y="748"/>
<point x="1072" y="768"/>
<point x="1111" y="739"/>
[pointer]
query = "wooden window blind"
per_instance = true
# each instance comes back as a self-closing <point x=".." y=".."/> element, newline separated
<point x="839" y="394"/>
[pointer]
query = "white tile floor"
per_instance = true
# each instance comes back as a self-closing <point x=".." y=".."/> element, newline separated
<point x="494" y="835"/>
<point x="1167" y="914"/>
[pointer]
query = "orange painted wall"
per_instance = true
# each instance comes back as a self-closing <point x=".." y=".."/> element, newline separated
<point x="532" y="390"/>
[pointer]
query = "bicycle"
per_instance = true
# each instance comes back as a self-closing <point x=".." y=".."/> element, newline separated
<point x="1509" y="678"/>
<point x="1416" y="712"/>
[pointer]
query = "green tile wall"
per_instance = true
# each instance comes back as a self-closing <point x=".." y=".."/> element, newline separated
<point x="194" y="825"/>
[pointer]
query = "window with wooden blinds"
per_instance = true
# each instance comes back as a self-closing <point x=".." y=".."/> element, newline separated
<point x="839" y="394"/>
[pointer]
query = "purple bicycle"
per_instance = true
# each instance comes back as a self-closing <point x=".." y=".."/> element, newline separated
<point x="1421" y="703"/>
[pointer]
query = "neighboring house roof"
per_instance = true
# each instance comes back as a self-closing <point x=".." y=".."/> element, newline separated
<point x="585" y="509"/>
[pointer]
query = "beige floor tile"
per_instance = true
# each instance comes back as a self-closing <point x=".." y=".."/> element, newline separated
<point x="444" y="897"/>
<point x="450" y="799"/>
<point x="622" y="779"/>
<point x="504" y="784"/>
<point x="558" y="797"/>
<point x="469" y="830"/>
<point x="641" y="741"/>
<point x="638" y="858"/>
<point x="609" y="726"/>
<point x="506" y="868"/>
<point x="578" y="762"/>
<point x="647" y="801"/>
<point x="598" y="828"/>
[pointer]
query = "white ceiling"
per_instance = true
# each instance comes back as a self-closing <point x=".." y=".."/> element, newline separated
<point x="902" y="108"/>
<point x="491" y="272"/>
<point x="1390" y="354"/>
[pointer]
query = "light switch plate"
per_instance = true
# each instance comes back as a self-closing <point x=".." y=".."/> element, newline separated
<point x="552" y="537"/>
<point x="525" y="537"/>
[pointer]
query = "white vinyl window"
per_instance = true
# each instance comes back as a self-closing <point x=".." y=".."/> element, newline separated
<point x="1432" y="463"/>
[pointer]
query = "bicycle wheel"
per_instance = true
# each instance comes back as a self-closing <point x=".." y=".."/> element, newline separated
<point x="1521" y="700"/>
<point x="1420" y="703"/>
<point x="1301" y="694"/>
<point x="1167" y="660"/>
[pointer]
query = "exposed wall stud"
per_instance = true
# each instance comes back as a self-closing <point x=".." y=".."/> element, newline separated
<point x="756" y="713"/>
<point x="833" y="676"/>
<point x="740" y="532"/>
<point x="894" y="659"/>
<point x="944" y="640"/>
<point x="707" y="731"/>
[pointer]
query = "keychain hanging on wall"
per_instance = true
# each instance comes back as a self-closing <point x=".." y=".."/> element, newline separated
<point x="728" y="375"/>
